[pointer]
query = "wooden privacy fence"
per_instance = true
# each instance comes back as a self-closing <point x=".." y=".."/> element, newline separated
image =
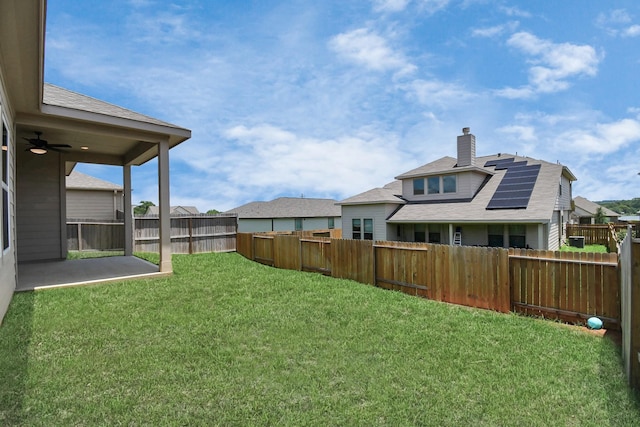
<point x="93" y="235"/>
<point x="597" y="234"/>
<point x="189" y="234"/>
<point x="565" y="286"/>
<point x="630" y="308"/>
<point x="569" y="286"/>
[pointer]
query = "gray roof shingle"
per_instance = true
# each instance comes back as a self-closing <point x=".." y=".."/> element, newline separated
<point x="60" y="97"/>
<point x="80" y="181"/>
<point x="289" y="207"/>
<point x="591" y="207"/>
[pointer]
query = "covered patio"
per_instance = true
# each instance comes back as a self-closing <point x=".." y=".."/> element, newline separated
<point x="37" y="275"/>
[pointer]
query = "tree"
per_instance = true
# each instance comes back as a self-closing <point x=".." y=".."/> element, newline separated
<point x="600" y="217"/>
<point x="213" y="212"/>
<point x="141" y="209"/>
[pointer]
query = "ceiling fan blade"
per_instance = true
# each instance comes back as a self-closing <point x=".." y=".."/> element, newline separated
<point x="59" y="145"/>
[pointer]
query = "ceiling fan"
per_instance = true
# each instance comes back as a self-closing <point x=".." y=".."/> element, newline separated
<point x="40" y="146"/>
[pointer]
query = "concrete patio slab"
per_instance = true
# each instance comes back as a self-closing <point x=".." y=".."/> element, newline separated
<point x="55" y="274"/>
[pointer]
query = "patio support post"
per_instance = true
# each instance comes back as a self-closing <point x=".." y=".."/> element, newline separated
<point x="127" y="211"/>
<point x="164" y="202"/>
<point x="541" y="238"/>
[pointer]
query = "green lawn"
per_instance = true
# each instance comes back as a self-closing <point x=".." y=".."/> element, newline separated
<point x="587" y="248"/>
<point x="225" y="341"/>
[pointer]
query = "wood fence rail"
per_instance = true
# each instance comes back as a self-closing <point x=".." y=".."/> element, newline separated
<point x="189" y="234"/>
<point x="569" y="286"/>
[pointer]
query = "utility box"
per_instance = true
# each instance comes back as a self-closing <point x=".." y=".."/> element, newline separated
<point x="576" y="241"/>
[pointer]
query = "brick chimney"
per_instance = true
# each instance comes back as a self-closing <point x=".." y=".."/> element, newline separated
<point x="466" y="148"/>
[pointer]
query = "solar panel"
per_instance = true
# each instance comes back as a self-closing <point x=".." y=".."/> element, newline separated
<point x="516" y="187"/>
<point x="498" y="162"/>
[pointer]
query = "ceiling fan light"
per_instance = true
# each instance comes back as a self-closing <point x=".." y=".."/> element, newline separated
<point x="38" y="150"/>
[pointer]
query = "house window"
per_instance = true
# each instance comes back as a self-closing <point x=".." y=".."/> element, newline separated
<point x="298" y="224"/>
<point x="332" y="223"/>
<point x="420" y="233"/>
<point x="433" y="185"/>
<point x="449" y="184"/>
<point x="517" y="236"/>
<point x="496" y="235"/>
<point x="418" y="186"/>
<point x="356" y="229"/>
<point x="368" y="229"/>
<point x="5" y="187"/>
<point x="434" y="237"/>
<point x="362" y="228"/>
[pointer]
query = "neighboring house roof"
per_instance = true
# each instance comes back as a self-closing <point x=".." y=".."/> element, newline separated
<point x="390" y="193"/>
<point x="80" y="181"/>
<point x="591" y="208"/>
<point x="174" y="210"/>
<point x="540" y="207"/>
<point x="289" y="207"/>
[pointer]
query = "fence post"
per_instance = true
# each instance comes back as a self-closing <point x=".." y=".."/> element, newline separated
<point x="79" y="237"/>
<point x="634" y="324"/>
<point x="190" y="236"/>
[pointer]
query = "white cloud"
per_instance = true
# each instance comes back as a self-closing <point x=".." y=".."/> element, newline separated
<point x="524" y="133"/>
<point x="438" y="93"/>
<point x="552" y="64"/>
<point x="496" y="30"/>
<point x="432" y="6"/>
<point x="602" y="138"/>
<point x="390" y="5"/>
<point x="617" y="23"/>
<point x="632" y="31"/>
<point x="271" y="160"/>
<point x="617" y="16"/>
<point x="515" y="11"/>
<point x="370" y="50"/>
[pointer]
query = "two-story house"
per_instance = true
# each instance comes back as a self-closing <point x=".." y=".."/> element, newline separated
<point x="502" y="200"/>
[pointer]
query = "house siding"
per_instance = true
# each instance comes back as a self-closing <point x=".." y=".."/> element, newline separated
<point x="38" y="202"/>
<point x="377" y="212"/>
<point x="8" y="266"/>
<point x="98" y="205"/>
<point x="467" y="183"/>
<point x="554" y="232"/>
<point x="255" y="225"/>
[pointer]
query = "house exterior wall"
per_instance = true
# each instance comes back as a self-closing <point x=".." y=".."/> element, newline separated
<point x="8" y="256"/>
<point x="467" y="183"/>
<point x="39" y="189"/>
<point x="554" y="232"/>
<point x="255" y="225"/>
<point x="93" y="204"/>
<point x="472" y="234"/>
<point x="378" y="212"/>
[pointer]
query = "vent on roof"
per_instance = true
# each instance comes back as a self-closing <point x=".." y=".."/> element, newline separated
<point x="514" y="191"/>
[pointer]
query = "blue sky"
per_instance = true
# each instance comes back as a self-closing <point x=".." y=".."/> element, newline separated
<point x="332" y="98"/>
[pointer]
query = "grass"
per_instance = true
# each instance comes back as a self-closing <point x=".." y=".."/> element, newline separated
<point x="225" y="341"/>
<point x="92" y="254"/>
<point x="587" y="248"/>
